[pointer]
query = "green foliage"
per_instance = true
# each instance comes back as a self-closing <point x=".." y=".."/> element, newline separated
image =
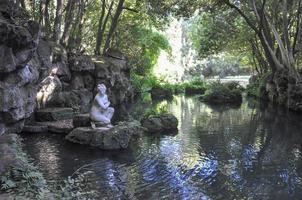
<point x="227" y="93"/>
<point x="257" y="86"/>
<point x="216" y="31"/>
<point x="149" y="43"/>
<point x="144" y="83"/>
<point x="23" y="180"/>
<point x="158" y="110"/>
<point x="77" y="188"/>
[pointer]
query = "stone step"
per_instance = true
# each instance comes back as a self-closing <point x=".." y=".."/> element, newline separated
<point x="53" y="114"/>
<point x="81" y="120"/>
<point x="35" y="129"/>
<point x="61" y="127"/>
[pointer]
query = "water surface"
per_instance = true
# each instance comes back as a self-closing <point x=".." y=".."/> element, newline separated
<point x="219" y="153"/>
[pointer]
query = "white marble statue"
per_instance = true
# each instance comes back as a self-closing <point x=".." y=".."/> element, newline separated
<point x="100" y="111"/>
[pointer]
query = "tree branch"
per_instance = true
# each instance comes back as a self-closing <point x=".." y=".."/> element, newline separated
<point x="131" y="9"/>
<point x="248" y="21"/>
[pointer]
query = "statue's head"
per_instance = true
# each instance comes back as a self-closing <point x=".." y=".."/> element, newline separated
<point x="101" y="88"/>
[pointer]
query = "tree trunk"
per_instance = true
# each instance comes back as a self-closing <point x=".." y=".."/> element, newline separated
<point x="114" y="23"/>
<point x="68" y="21"/>
<point x="22" y="3"/>
<point x="102" y="29"/>
<point x="80" y="23"/>
<point x="44" y="16"/>
<point x="58" y="21"/>
<point x="278" y="40"/>
<point x="99" y="34"/>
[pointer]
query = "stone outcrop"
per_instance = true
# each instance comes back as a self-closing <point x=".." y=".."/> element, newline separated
<point x="81" y="120"/>
<point x="38" y="73"/>
<point x="160" y="123"/>
<point x="115" y="74"/>
<point x="54" y="114"/>
<point x="118" y="137"/>
<point x="19" y="73"/>
<point x="60" y="127"/>
<point x="72" y="79"/>
<point x="285" y="88"/>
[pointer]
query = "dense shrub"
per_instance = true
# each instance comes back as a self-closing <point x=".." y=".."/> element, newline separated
<point x="256" y="86"/>
<point x="218" y="93"/>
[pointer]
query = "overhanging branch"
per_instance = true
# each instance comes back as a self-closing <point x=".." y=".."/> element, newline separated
<point x="131" y="9"/>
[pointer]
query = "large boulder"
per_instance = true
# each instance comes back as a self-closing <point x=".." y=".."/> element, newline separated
<point x="54" y="114"/>
<point x="49" y="89"/>
<point x="81" y="120"/>
<point x="80" y="63"/>
<point x="59" y="127"/>
<point x="114" y="72"/>
<point x="118" y="137"/>
<point x="79" y="100"/>
<point x="160" y="123"/>
<point x="18" y="42"/>
<point x="61" y="70"/>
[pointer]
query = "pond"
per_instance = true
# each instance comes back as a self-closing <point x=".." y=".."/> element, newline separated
<point x="248" y="152"/>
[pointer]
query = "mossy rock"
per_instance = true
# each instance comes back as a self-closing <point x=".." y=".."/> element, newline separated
<point x="223" y="94"/>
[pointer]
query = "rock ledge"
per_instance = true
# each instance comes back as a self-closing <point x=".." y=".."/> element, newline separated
<point x="114" y="138"/>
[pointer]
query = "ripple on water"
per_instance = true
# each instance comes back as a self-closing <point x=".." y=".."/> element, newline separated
<point x="218" y="154"/>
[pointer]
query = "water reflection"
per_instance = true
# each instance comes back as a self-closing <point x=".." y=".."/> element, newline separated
<point x="219" y="153"/>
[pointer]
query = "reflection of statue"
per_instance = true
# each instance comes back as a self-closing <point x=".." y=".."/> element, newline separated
<point x="100" y="111"/>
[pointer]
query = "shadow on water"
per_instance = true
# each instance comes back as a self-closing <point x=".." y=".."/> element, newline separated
<point x="247" y="152"/>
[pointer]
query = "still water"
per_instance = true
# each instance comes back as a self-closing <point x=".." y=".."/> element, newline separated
<point x="248" y="152"/>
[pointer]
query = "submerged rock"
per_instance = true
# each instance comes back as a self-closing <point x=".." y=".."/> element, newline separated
<point x="160" y="123"/>
<point x="118" y="137"/>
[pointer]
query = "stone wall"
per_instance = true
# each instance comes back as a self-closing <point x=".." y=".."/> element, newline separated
<point x="18" y="73"/>
<point x="38" y="73"/>
<point x="74" y="84"/>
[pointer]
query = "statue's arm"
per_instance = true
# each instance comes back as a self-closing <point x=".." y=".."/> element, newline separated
<point x="100" y="102"/>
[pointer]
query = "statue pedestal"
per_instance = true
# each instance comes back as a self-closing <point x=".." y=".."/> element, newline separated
<point x="100" y="125"/>
<point x="117" y="137"/>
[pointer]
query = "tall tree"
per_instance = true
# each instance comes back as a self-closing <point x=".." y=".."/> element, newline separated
<point x="114" y="24"/>
<point x="58" y="21"/>
<point x="102" y="26"/>
<point x="68" y="21"/>
<point x="44" y="16"/>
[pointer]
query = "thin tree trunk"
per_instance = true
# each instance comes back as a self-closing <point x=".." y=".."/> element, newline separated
<point x="80" y="22"/>
<point x="114" y="23"/>
<point x="68" y="21"/>
<point x="58" y="21"/>
<point x="99" y="34"/>
<point x="44" y="16"/>
<point x="103" y="28"/>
